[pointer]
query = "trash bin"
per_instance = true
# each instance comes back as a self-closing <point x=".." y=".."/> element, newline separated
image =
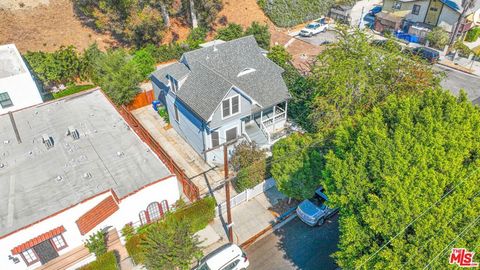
<point x="155" y="104"/>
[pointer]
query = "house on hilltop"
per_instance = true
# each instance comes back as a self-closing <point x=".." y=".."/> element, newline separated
<point x="223" y="91"/>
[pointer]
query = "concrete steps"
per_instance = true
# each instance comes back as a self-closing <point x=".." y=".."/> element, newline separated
<point x="255" y="134"/>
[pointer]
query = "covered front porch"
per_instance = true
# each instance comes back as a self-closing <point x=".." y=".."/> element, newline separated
<point x="266" y="126"/>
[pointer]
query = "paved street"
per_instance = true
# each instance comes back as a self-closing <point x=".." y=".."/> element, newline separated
<point x="296" y="246"/>
<point x="317" y="40"/>
<point x="456" y="80"/>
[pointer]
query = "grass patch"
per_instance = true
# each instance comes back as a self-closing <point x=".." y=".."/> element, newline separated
<point x="287" y="13"/>
<point x="107" y="261"/>
<point x="72" y="90"/>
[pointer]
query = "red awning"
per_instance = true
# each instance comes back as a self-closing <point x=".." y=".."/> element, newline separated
<point x="37" y="240"/>
<point x="96" y="215"/>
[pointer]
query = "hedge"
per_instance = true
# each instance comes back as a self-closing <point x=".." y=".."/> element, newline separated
<point x="287" y="13"/>
<point x="72" y="90"/>
<point x="473" y="34"/>
<point x="134" y="249"/>
<point x="198" y="214"/>
<point x="107" y="261"/>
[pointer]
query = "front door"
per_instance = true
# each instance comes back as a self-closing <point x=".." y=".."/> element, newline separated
<point x="433" y="12"/>
<point x="45" y="251"/>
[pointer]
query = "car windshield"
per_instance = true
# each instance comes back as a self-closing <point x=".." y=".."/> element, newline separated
<point x="312" y="26"/>
<point x="204" y="266"/>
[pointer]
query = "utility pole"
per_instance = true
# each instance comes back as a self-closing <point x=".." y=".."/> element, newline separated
<point x="466" y="6"/>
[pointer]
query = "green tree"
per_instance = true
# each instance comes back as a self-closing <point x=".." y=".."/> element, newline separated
<point x="438" y="38"/>
<point x="207" y="11"/>
<point x="261" y="34"/>
<point x="196" y="37"/>
<point x="250" y="163"/>
<point x="297" y="165"/>
<point x="88" y="60"/>
<point x="170" y="244"/>
<point x="118" y="76"/>
<point x="352" y="76"/>
<point x="231" y="32"/>
<point x="415" y="156"/>
<point x="144" y="61"/>
<point x="280" y="56"/>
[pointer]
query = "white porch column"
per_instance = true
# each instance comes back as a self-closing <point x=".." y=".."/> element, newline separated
<point x="286" y="107"/>
<point x="273" y="124"/>
<point x="261" y="118"/>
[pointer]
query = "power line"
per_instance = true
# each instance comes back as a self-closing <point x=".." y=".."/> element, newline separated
<point x="431" y="238"/>
<point x="415" y="219"/>
<point x="453" y="241"/>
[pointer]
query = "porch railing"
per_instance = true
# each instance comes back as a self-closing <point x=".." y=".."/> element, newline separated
<point x="280" y="114"/>
<point x="263" y="128"/>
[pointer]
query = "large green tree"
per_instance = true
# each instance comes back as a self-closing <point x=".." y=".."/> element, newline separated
<point x="261" y="34"/>
<point x="118" y="75"/>
<point x="170" y="244"/>
<point x="406" y="179"/>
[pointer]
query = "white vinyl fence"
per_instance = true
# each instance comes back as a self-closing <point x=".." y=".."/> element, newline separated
<point x="246" y="195"/>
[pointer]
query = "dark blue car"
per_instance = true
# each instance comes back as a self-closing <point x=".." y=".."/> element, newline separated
<point x="375" y="10"/>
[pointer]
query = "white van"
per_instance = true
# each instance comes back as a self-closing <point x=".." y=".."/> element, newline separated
<point x="227" y="257"/>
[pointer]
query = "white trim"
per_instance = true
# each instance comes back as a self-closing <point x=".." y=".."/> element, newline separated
<point x="238" y="90"/>
<point x="230" y="106"/>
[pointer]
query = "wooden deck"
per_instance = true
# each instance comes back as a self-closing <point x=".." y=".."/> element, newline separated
<point x="67" y="260"/>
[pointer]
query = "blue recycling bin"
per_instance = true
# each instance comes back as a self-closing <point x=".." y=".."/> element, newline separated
<point x="155" y="104"/>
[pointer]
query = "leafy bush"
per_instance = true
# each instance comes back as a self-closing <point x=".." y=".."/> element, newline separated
<point x="231" y="32"/>
<point x="97" y="244"/>
<point x="461" y="48"/>
<point x="207" y="11"/>
<point x="144" y="61"/>
<point x="286" y="13"/>
<point x="72" y="90"/>
<point x="128" y="231"/>
<point x="473" y="34"/>
<point x="107" y="261"/>
<point x="61" y="66"/>
<point x="280" y="56"/>
<point x="196" y="37"/>
<point x="197" y="214"/>
<point x="170" y="51"/>
<point x="162" y="111"/>
<point x="250" y="163"/>
<point x="134" y="249"/>
<point x="261" y="34"/>
<point x="438" y="38"/>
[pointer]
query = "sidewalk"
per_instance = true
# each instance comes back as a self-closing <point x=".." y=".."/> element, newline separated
<point x="249" y="219"/>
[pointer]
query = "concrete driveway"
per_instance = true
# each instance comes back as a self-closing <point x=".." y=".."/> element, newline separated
<point x="296" y="246"/>
<point x="329" y="36"/>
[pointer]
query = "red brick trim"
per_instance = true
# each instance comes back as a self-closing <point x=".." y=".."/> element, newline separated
<point x="96" y="215"/>
<point x="34" y="241"/>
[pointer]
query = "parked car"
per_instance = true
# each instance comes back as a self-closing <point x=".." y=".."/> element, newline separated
<point x="314" y="211"/>
<point x="375" y="10"/>
<point x="313" y="28"/>
<point x="227" y="257"/>
<point x="428" y="54"/>
<point x="387" y="44"/>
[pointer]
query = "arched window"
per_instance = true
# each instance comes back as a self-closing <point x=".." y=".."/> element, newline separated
<point x="153" y="211"/>
<point x="143" y="218"/>
<point x="164" y="206"/>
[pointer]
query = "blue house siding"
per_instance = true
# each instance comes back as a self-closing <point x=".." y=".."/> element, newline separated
<point x="188" y="125"/>
<point x="245" y="110"/>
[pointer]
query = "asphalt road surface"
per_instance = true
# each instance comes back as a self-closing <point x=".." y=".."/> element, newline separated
<point x="296" y="246"/>
<point x="456" y="80"/>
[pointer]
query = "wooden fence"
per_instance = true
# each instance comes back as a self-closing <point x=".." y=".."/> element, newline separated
<point x="142" y="99"/>
<point x="189" y="188"/>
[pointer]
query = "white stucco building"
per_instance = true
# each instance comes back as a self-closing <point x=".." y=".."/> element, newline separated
<point x="69" y="168"/>
<point x="17" y="87"/>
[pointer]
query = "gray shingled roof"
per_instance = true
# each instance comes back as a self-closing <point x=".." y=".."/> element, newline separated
<point x="214" y="70"/>
<point x="176" y="70"/>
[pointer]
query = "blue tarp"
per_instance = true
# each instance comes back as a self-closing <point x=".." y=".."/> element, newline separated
<point x="407" y="37"/>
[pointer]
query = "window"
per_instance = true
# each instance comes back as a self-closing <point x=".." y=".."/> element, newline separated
<point x="230" y="106"/>
<point x="416" y="9"/>
<point x="5" y="100"/>
<point x="59" y="242"/>
<point x="231" y="134"/>
<point x="29" y="256"/>
<point x="164" y="206"/>
<point x="153" y="211"/>
<point x="143" y="218"/>
<point x="215" y="139"/>
<point x="231" y="265"/>
<point x="173" y="84"/>
<point x="176" y="112"/>
<point x="397" y="5"/>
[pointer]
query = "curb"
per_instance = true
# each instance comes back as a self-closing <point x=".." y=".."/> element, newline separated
<point x="278" y="223"/>
<point x="457" y="69"/>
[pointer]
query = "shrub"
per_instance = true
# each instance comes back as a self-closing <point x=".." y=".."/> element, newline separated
<point x="128" y="231"/>
<point x="107" y="261"/>
<point x="287" y="13"/>
<point x="72" y="90"/>
<point x="144" y="61"/>
<point x="231" y="32"/>
<point x="162" y="111"/>
<point x="279" y="55"/>
<point x="171" y="51"/>
<point x="96" y="243"/>
<point x="134" y="249"/>
<point x="438" y="38"/>
<point x="462" y="48"/>
<point x="196" y="37"/>
<point x="197" y="214"/>
<point x="207" y="11"/>
<point x="261" y="34"/>
<point x="473" y="34"/>
<point x="250" y="163"/>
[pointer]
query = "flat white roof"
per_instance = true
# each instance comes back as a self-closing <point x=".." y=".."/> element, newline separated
<point x="11" y="62"/>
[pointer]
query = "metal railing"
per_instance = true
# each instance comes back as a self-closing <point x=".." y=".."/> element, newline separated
<point x="263" y="128"/>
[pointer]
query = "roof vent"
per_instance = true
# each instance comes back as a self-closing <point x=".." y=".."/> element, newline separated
<point x="87" y="175"/>
<point x="73" y="132"/>
<point x="48" y="141"/>
<point x="246" y="71"/>
<point x="120" y="154"/>
<point x="59" y="178"/>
